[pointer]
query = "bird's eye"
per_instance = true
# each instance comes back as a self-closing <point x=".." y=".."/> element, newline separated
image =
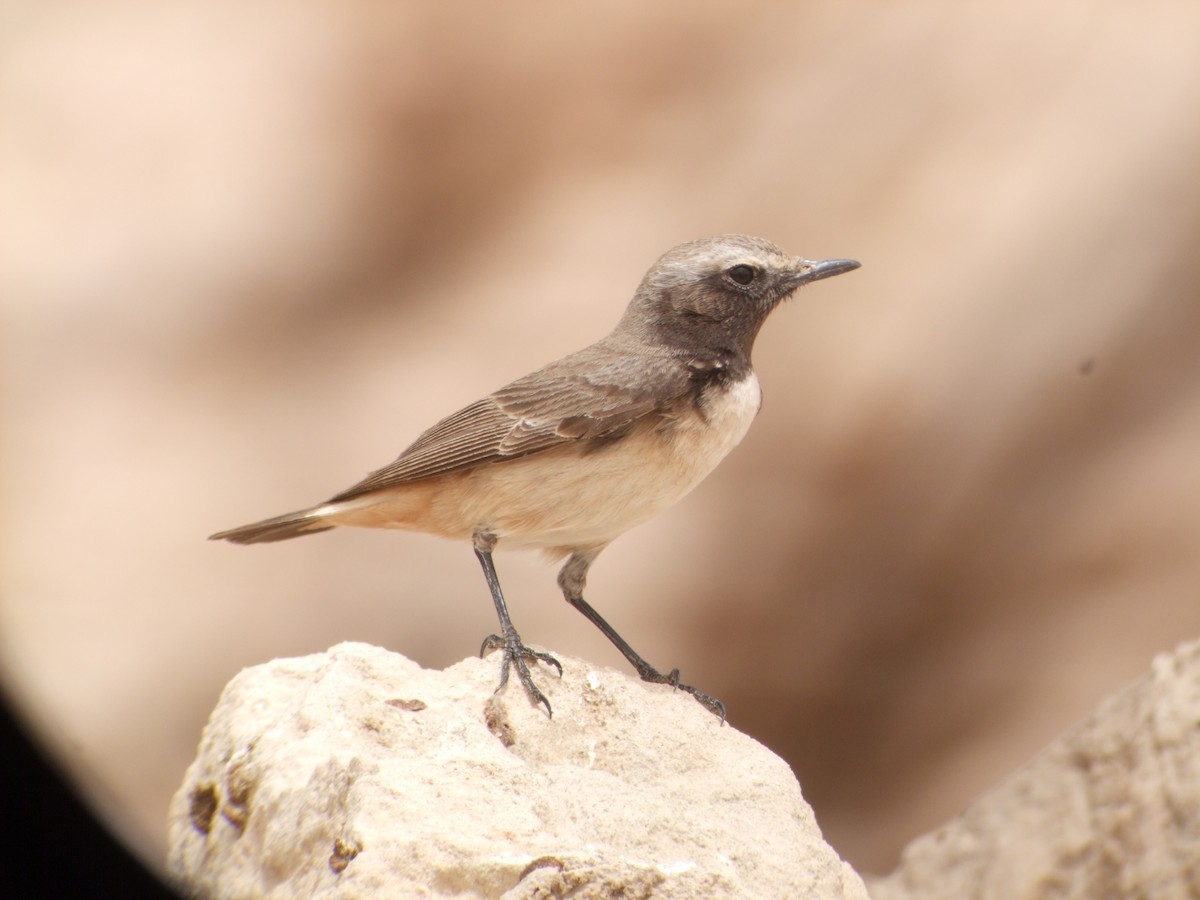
<point x="741" y="273"/>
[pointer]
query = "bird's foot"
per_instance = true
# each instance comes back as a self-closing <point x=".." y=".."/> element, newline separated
<point x="516" y="654"/>
<point x="712" y="704"/>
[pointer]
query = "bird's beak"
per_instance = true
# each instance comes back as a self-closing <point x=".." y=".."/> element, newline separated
<point x="809" y="270"/>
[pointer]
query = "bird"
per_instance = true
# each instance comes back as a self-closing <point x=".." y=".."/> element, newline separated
<point x="574" y="454"/>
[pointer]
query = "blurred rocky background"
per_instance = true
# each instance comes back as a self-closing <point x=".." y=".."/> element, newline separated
<point x="248" y="251"/>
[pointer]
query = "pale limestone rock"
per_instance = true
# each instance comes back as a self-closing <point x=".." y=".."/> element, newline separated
<point x="1112" y="810"/>
<point x="356" y="773"/>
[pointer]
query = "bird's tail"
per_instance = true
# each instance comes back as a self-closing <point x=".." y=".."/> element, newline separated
<point x="280" y="528"/>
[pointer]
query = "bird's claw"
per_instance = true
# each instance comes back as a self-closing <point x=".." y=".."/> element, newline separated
<point x="712" y="704"/>
<point x="516" y="654"/>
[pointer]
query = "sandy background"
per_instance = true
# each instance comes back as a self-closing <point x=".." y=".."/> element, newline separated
<point x="248" y="251"/>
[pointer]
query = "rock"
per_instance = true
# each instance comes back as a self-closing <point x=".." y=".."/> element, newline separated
<point x="356" y="773"/>
<point x="1110" y="810"/>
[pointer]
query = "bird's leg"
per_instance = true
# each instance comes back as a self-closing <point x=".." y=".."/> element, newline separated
<point x="515" y="652"/>
<point x="572" y="579"/>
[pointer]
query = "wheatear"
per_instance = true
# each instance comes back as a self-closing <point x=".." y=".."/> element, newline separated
<point x="578" y="452"/>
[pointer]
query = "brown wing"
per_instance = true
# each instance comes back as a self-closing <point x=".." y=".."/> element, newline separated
<point x="597" y="392"/>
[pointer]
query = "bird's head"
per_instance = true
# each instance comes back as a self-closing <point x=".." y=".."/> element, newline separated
<point x="719" y="290"/>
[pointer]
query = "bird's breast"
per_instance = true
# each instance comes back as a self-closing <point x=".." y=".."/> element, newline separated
<point x="726" y="411"/>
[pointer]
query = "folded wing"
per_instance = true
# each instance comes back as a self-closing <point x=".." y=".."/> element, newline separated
<point x="591" y="394"/>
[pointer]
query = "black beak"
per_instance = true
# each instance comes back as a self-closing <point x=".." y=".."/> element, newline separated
<point x="826" y="268"/>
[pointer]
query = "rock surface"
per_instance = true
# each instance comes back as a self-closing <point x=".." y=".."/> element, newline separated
<point x="1110" y="810"/>
<point x="356" y="773"/>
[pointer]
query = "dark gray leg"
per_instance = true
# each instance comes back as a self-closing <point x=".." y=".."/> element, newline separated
<point x="572" y="579"/>
<point x="515" y="652"/>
